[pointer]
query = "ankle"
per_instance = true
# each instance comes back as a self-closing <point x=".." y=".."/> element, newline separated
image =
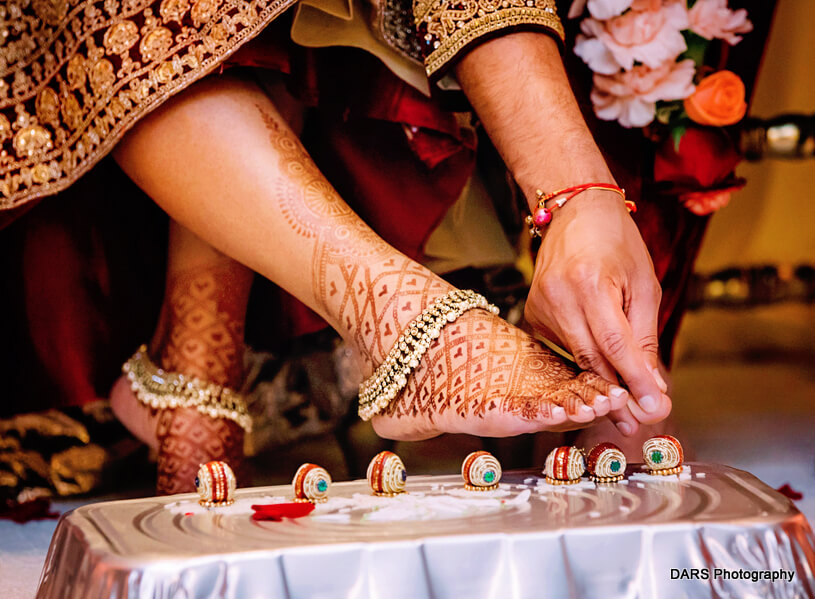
<point x="383" y="306"/>
<point x="216" y="357"/>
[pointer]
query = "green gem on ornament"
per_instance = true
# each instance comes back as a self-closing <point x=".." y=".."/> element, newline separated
<point x="656" y="457"/>
<point x="322" y="486"/>
<point x="489" y="476"/>
<point x="615" y="466"/>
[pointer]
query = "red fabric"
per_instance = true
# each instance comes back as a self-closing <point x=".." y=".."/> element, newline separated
<point x="705" y="159"/>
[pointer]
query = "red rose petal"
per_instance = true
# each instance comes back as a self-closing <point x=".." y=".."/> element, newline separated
<point x="788" y="491"/>
<point x="278" y="511"/>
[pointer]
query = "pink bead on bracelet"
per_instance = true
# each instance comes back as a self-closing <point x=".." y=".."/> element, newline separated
<point x="543" y="215"/>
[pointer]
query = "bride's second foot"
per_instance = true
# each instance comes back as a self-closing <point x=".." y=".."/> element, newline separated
<point x="138" y="418"/>
<point x="183" y="437"/>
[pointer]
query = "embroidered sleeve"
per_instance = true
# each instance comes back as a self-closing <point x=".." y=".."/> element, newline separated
<point x="446" y="27"/>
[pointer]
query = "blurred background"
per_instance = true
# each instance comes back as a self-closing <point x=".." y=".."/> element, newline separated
<point x="743" y="374"/>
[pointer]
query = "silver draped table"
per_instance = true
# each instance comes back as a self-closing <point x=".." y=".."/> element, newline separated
<point x="605" y="541"/>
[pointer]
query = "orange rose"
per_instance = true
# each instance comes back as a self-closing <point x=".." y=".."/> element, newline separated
<point x="718" y="100"/>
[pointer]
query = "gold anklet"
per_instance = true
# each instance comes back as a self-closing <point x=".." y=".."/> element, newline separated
<point x="391" y="376"/>
<point x="163" y="390"/>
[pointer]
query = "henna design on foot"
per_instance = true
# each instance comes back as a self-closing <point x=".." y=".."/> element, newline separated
<point x="205" y="310"/>
<point x="186" y="440"/>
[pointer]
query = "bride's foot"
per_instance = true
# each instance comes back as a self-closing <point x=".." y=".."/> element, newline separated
<point x="183" y="438"/>
<point x="138" y="418"/>
<point x="481" y="376"/>
<point x="485" y="377"/>
<point x="200" y="334"/>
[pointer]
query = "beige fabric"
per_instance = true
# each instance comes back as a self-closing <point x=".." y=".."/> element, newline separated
<point x="469" y="235"/>
<point x="323" y="23"/>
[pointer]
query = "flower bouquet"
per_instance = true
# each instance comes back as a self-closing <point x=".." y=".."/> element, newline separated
<point x="648" y="59"/>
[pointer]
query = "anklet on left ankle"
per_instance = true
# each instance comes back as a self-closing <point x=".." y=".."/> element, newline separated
<point x="376" y="393"/>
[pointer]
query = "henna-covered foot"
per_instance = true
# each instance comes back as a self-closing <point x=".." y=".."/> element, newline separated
<point x="200" y="334"/>
<point x="485" y="377"/>
<point x="187" y="439"/>
<point x="481" y="376"/>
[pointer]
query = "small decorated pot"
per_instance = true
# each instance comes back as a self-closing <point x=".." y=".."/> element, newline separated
<point x="387" y="474"/>
<point x="606" y="463"/>
<point x="216" y="484"/>
<point x="663" y="454"/>
<point x="311" y="483"/>
<point x="481" y="471"/>
<point x="564" y="466"/>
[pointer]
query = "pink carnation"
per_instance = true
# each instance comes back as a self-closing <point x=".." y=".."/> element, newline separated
<point x="649" y="33"/>
<point x="630" y="97"/>
<point x="712" y="19"/>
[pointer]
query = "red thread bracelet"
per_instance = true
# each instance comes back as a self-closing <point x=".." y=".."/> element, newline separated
<point x="543" y="215"/>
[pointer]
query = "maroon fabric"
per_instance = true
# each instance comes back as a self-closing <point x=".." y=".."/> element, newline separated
<point x="36" y="509"/>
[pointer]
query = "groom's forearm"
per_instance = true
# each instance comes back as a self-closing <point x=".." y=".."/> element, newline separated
<point x="518" y="87"/>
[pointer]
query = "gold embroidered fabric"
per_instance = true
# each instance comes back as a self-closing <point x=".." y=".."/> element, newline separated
<point x="76" y="74"/>
<point x="447" y="27"/>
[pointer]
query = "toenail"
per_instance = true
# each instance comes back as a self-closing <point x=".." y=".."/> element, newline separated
<point x="618" y="392"/>
<point x="625" y="428"/>
<point x="586" y="410"/>
<point x="648" y="403"/>
<point x="558" y="412"/>
<point x="600" y="399"/>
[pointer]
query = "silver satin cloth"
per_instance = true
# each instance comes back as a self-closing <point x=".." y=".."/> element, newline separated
<point x="621" y="541"/>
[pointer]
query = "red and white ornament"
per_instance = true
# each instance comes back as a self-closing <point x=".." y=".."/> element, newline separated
<point x="606" y="463"/>
<point x="564" y="466"/>
<point x="387" y="474"/>
<point x="663" y="455"/>
<point x="311" y="483"/>
<point x="216" y="484"/>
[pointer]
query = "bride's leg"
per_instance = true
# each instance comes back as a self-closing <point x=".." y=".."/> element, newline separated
<point x="200" y="333"/>
<point x="221" y="161"/>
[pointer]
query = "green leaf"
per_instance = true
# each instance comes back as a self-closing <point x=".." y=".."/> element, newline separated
<point x="676" y="136"/>
<point x="667" y="111"/>
<point x="697" y="48"/>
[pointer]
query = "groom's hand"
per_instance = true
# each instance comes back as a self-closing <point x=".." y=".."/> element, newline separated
<point x="594" y="286"/>
<point x="595" y="291"/>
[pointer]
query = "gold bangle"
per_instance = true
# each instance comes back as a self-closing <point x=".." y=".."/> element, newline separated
<point x="391" y="376"/>
<point x="162" y="390"/>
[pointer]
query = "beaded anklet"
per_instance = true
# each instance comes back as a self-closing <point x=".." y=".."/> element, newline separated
<point x="163" y="390"/>
<point x="391" y="376"/>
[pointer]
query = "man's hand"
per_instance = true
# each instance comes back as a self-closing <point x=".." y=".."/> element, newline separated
<point x="595" y="291"/>
<point x="594" y="286"/>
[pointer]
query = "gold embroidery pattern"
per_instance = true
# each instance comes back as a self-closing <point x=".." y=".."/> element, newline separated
<point x="446" y="27"/>
<point x="75" y="75"/>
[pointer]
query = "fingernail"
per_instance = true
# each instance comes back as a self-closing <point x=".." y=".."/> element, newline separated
<point x="647" y="403"/>
<point x="618" y="392"/>
<point x="663" y="386"/>
<point x="625" y="428"/>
